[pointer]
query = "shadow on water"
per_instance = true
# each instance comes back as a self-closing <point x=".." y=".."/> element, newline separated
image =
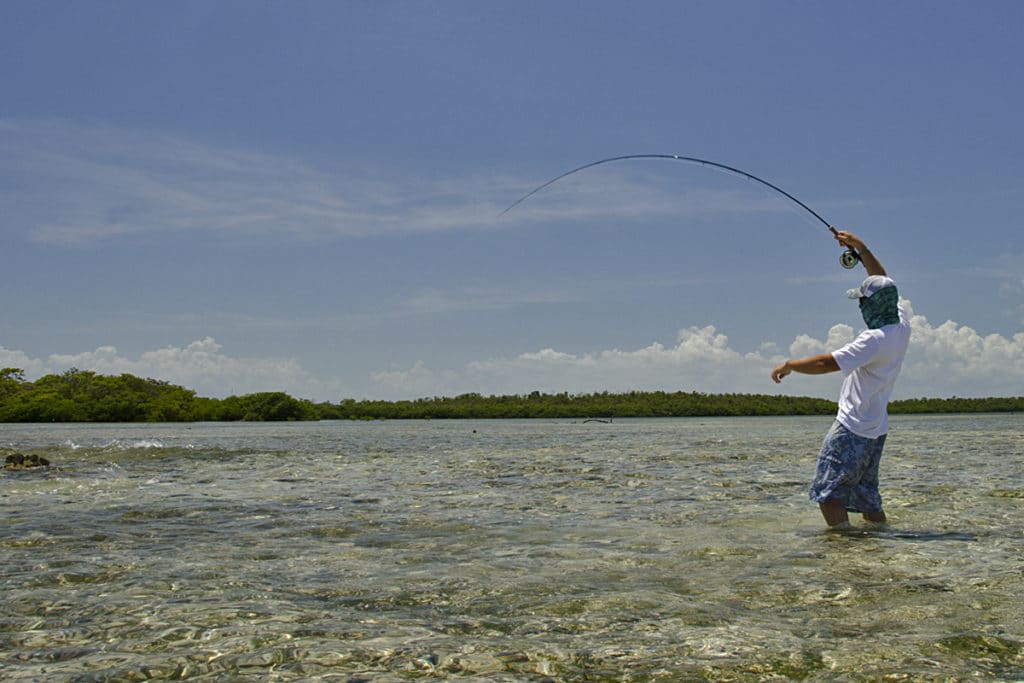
<point x="907" y="534"/>
<point x="924" y="535"/>
<point x="886" y="533"/>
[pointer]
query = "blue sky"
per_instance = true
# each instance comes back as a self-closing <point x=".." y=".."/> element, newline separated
<point x="304" y="196"/>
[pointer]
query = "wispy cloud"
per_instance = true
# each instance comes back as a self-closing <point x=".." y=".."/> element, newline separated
<point x="438" y="301"/>
<point x="69" y="184"/>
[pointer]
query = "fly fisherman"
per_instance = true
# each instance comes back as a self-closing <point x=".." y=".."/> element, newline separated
<point x="846" y="479"/>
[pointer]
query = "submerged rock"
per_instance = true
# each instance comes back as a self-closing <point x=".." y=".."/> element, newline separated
<point x="17" y="461"/>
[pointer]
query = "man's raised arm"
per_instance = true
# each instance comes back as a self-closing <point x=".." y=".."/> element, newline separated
<point x="871" y="264"/>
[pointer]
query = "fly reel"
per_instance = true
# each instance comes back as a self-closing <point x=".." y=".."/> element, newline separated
<point x="849" y="259"/>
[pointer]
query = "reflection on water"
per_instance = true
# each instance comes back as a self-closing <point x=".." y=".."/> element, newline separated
<point x="506" y="550"/>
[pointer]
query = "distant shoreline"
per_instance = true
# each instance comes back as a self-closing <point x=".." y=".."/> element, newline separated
<point x="84" y="396"/>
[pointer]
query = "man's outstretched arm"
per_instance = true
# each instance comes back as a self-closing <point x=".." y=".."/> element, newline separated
<point x="812" y="365"/>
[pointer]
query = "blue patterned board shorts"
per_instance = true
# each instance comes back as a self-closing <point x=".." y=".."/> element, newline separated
<point x="848" y="470"/>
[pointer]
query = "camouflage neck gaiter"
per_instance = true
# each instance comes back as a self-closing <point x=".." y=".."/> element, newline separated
<point x="880" y="309"/>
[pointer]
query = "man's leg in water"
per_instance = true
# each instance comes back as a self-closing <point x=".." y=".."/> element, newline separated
<point x="834" y="512"/>
<point x="875" y="517"/>
<point x="847" y="473"/>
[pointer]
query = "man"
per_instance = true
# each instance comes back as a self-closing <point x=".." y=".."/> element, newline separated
<point x="846" y="479"/>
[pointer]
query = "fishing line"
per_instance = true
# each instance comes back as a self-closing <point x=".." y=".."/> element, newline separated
<point x="849" y="258"/>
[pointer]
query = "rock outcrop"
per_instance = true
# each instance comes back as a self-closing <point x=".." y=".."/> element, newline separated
<point x="17" y="461"/>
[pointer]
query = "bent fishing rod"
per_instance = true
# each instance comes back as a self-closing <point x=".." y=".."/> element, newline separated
<point x="848" y="259"/>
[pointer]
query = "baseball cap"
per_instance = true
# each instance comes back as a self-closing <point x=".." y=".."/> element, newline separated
<point x="871" y="284"/>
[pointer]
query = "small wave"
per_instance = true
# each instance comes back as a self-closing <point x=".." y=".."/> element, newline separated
<point x="131" y="444"/>
<point x="115" y="444"/>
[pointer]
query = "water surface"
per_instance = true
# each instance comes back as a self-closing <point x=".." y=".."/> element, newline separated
<point x="671" y="549"/>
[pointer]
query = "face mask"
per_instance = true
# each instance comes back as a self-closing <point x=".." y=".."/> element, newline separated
<point x="880" y="309"/>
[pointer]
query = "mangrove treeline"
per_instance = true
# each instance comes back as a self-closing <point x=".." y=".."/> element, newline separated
<point x="84" y="396"/>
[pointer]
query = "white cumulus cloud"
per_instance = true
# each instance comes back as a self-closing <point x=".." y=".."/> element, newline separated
<point x="700" y="360"/>
<point x="19" y="359"/>
<point x="200" y="365"/>
<point x="945" y="360"/>
<point x="949" y="359"/>
<point x="955" y="360"/>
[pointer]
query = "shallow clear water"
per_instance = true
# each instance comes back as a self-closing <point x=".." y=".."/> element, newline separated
<point x="506" y="550"/>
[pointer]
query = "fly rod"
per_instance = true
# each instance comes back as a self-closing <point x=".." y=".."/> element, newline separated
<point x="848" y="259"/>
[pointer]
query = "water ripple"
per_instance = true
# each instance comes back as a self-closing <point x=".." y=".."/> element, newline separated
<point x="515" y="551"/>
